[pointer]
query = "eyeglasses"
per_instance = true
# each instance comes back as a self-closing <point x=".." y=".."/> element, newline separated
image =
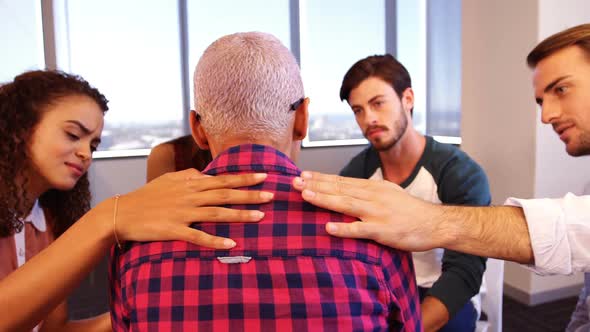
<point x="296" y="104"/>
<point x="198" y="116"/>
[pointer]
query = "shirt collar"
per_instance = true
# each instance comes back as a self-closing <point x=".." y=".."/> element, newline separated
<point x="252" y="158"/>
<point x="37" y="217"/>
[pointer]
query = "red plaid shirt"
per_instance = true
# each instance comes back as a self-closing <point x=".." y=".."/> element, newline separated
<point x="298" y="279"/>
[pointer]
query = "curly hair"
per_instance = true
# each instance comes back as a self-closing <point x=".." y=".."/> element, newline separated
<point x="22" y="103"/>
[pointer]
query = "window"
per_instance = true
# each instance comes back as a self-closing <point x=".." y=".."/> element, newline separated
<point x="334" y="35"/>
<point x="142" y="55"/>
<point x="444" y="70"/>
<point x="129" y="50"/>
<point x="209" y="20"/>
<point x="411" y="52"/>
<point x="21" y="36"/>
<point x="429" y="45"/>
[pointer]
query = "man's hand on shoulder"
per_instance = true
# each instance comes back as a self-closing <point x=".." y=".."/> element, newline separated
<point x="386" y="213"/>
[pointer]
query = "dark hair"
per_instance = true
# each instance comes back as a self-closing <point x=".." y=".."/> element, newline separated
<point x="187" y="154"/>
<point x="576" y="36"/>
<point x="385" y="67"/>
<point x="22" y="103"/>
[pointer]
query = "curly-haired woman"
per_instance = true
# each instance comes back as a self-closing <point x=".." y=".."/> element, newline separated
<point x="50" y="123"/>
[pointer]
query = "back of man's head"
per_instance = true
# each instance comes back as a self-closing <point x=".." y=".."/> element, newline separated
<point x="245" y="84"/>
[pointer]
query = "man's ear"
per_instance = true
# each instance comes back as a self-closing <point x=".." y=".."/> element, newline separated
<point x="198" y="132"/>
<point x="408" y="99"/>
<point x="301" y="118"/>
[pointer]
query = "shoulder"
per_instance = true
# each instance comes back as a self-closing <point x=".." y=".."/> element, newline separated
<point x="460" y="179"/>
<point x="362" y="165"/>
<point x="160" y="160"/>
<point x="449" y="161"/>
<point x="162" y="151"/>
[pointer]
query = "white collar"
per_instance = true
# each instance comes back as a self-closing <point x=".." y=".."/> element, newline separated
<point x="37" y="217"/>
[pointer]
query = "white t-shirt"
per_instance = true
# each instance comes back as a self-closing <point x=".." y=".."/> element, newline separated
<point x="428" y="264"/>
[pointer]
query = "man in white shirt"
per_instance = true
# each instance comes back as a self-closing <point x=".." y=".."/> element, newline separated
<point x="551" y="235"/>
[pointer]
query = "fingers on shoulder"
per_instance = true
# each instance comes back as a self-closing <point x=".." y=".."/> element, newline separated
<point x="344" y="204"/>
<point x="220" y="214"/>
<point x="203" y="239"/>
<point x="215" y="197"/>
<point x="203" y="183"/>
<point x="357" y="230"/>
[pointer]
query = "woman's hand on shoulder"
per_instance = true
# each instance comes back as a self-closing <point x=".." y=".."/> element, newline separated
<point x="164" y="208"/>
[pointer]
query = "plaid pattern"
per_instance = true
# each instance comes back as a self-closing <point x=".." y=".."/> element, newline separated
<point x="299" y="277"/>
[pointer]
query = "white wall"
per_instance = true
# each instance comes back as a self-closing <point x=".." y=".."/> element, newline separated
<point x="500" y="121"/>
<point x="121" y="175"/>
<point x="497" y="108"/>
<point x="498" y="111"/>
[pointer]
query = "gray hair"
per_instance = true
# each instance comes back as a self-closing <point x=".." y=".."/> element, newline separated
<point x="244" y="85"/>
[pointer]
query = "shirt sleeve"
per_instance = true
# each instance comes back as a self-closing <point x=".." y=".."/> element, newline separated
<point x="559" y="230"/>
<point x="363" y="165"/>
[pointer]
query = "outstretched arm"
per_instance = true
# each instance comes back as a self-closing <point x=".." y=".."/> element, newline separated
<point x="58" y="321"/>
<point x="160" y="210"/>
<point x="392" y="217"/>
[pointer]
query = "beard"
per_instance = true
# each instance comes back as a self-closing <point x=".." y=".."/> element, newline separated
<point x="583" y="149"/>
<point x="399" y="129"/>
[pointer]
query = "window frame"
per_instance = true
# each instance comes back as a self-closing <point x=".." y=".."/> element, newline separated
<point x="56" y="54"/>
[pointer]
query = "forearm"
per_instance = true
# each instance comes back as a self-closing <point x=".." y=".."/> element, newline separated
<point x="58" y="321"/>
<point x="498" y="232"/>
<point x="434" y="314"/>
<point x="50" y="276"/>
<point x="100" y="323"/>
<point x="159" y="211"/>
<point x="393" y="218"/>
